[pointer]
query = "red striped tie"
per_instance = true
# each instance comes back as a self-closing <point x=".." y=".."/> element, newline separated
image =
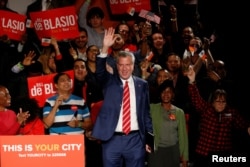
<point x="126" y="109"/>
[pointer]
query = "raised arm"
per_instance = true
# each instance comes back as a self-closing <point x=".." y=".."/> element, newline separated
<point x="108" y="40"/>
<point x="82" y="20"/>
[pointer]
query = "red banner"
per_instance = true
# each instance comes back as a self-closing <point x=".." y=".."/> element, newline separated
<point x="60" y="23"/>
<point x="42" y="87"/>
<point x="42" y="150"/>
<point x="12" y="25"/>
<point x="118" y="7"/>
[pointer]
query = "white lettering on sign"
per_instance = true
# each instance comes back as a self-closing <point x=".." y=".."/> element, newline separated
<point x="44" y="88"/>
<point x="38" y="24"/>
<point x="60" y="22"/>
<point x="48" y="89"/>
<point x="13" y="24"/>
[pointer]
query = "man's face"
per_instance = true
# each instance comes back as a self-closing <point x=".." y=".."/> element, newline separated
<point x="187" y="34"/>
<point x="96" y="21"/>
<point x="173" y="63"/>
<point x="82" y="40"/>
<point x="80" y="71"/>
<point x="125" y="67"/>
<point x="64" y="84"/>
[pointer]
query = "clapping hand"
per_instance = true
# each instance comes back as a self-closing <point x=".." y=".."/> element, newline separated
<point x="22" y="116"/>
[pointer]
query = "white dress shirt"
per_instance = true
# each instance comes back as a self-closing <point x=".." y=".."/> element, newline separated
<point x="133" y="115"/>
<point x="44" y="5"/>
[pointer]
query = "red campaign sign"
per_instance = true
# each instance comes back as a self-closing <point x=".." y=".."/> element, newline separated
<point x="42" y="87"/>
<point x="60" y="23"/>
<point x="118" y="7"/>
<point x="12" y="25"/>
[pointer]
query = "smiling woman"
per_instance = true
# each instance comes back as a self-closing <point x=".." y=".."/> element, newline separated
<point x="10" y="123"/>
<point x="171" y="139"/>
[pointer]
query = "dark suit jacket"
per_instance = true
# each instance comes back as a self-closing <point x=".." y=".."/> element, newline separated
<point x="107" y="119"/>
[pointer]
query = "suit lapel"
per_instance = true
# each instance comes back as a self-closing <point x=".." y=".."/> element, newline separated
<point x="138" y="89"/>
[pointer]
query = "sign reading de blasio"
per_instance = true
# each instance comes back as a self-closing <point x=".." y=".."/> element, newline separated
<point x="42" y="151"/>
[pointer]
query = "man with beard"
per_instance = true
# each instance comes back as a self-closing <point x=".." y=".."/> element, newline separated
<point x="74" y="49"/>
<point x="78" y="46"/>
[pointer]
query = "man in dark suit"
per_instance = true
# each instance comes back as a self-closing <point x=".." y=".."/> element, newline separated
<point x="119" y="147"/>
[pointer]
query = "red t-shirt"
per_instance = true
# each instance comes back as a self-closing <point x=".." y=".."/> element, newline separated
<point x="8" y="123"/>
<point x="34" y="127"/>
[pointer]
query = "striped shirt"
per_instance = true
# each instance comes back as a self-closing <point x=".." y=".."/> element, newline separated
<point x="73" y="108"/>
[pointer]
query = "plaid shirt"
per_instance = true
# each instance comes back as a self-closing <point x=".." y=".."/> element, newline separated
<point x="215" y="128"/>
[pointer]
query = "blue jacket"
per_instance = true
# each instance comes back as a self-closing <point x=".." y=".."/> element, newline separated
<point x="107" y="119"/>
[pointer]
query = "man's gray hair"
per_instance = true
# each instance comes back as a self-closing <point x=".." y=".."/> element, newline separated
<point x="126" y="54"/>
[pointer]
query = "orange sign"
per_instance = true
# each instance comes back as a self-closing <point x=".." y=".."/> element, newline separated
<point x="42" y="150"/>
